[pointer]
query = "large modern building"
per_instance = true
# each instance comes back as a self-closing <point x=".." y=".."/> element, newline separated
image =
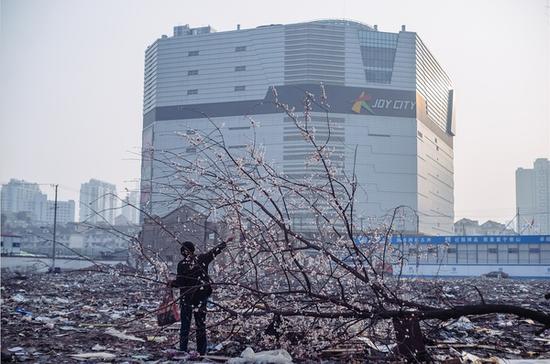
<point x="98" y="202"/>
<point x="533" y="198"/>
<point x="391" y="109"/>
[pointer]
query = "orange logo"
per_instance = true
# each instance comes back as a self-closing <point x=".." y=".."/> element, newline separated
<point x="362" y="103"/>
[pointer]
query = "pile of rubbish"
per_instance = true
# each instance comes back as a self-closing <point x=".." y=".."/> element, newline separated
<point x="92" y="316"/>
<point x="49" y="318"/>
<point x="487" y="336"/>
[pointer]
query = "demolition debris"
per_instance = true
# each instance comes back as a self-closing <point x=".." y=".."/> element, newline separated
<point x="92" y="316"/>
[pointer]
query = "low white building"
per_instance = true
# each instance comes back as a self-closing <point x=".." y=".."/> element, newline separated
<point x="11" y="244"/>
<point x="519" y="256"/>
<point x="467" y="227"/>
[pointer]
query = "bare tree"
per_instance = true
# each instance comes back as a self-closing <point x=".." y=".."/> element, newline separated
<point x="299" y="273"/>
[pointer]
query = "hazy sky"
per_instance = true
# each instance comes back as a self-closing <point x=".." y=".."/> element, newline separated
<point x="71" y="82"/>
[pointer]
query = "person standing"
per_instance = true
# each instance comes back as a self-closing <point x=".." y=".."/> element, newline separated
<point x="194" y="283"/>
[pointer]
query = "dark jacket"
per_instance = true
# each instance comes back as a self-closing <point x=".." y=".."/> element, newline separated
<point x="192" y="277"/>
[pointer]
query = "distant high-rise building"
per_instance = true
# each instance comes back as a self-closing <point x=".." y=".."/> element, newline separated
<point x="22" y="196"/>
<point x="533" y="197"/>
<point x="391" y="110"/>
<point x="130" y="208"/>
<point x="65" y="211"/>
<point x="98" y="202"/>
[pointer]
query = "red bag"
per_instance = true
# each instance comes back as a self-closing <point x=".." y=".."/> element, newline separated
<point x="168" y="311"/>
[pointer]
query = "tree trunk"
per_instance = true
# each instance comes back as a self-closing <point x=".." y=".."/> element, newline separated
<point x="410" y="340"/>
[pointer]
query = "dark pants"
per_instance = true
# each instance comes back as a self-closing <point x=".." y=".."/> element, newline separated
<point x="187" y="310"/>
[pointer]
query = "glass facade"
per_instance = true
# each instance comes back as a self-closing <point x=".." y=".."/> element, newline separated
<point x="378" y="54"/>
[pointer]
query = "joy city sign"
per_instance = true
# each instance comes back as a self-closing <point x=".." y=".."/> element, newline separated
<point x="370" y="104"/>
<point x="342" y="100"/>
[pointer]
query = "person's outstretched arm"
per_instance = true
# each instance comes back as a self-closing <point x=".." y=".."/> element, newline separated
<point x="211" y="254"/>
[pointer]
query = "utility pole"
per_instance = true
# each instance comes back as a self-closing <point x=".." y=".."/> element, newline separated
<point x="518" y="220"/>
<point x="54" y="227"/>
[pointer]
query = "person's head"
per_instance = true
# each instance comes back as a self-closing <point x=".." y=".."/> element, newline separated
<point x="187" y="248"/>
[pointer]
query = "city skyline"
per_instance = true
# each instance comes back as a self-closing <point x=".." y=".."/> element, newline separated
<point x="497" y="89"/>
<point x="29" y="197"/>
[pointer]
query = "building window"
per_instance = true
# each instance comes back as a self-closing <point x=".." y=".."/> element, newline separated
<point x="378" y="76"/>
<point x="192" y="92"/>
<point x="413" y="251"/>
<point x="240" y="88"/>
<point x="378" y="56"/>
<point x="534" y="250"/>
<point x="492" y="250"/>
<point x="193" y="53"/>
<point x="192" y="72"/>
<point x="420" y="134"/>
<point x="240" y="49"/>
<point x="513" y="250"/>
<point x="240" y="68"/>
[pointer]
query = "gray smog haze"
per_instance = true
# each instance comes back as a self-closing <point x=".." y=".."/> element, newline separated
<point x="71" y="76"/>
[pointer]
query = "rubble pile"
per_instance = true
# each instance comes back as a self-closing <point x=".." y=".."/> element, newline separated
<point x="92" y="316"/>
<point x="66" y="317"/>
<point x="494" y="335"/>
